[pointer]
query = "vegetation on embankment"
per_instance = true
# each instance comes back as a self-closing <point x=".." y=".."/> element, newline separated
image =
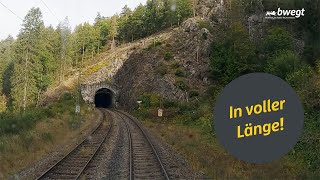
<point x="188" y="128"/>
<point x="187" y="124"/>
<point x="42" y="57"/>
<point x="27" y="137"/>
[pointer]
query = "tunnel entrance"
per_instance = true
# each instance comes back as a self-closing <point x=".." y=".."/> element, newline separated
<point x="103" y="98"/>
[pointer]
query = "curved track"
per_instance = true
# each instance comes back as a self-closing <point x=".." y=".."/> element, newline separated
<point x="145" y="162"/>
<point x="72" y="165"/>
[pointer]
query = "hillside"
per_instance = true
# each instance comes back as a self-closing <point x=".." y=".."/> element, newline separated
<point x="175" y="57"/>
<point x="184" y="68"/>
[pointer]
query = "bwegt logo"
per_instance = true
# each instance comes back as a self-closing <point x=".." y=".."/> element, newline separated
<point x="285" y="14"/>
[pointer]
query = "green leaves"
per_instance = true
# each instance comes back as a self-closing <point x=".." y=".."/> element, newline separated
<point x="155" y="16"/>
<point x="284" y="63"/>
<point x="278" y="39"/>
<point x="233" y="55"/>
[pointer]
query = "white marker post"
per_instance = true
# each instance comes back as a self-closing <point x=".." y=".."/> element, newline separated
<point x="77" y="109"/>
<point x="160" y="112"/>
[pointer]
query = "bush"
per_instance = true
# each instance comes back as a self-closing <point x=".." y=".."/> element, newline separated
<point x="170" y="104"/>
<point x="67" y="96"/>
<point x="278" y="39"/>
<point x="150" y="100"/>
<point x="175" y="65"/>
<point x="283" y="64"/>
<point x="233" y="56"/>
<point x="26" y="140"/>
<point x="205" y="24"/>
<point x="168" y="56"/>
<point x="193" y="93"/>
<point x="12" y="123"/>
<point x="306" y="83"/>
<point x="47" y="137"/>
<point x="182" y="85"/>
<point x="156" y="43"/>
<point x="162" y="69"/>
<point x="15" y="123"/>
<point x="180" y="73"/>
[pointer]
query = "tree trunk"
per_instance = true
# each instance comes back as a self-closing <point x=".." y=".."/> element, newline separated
<point x="63" y="67"/>
<point x="25" y="82"/>
<point x="82" y="59"/>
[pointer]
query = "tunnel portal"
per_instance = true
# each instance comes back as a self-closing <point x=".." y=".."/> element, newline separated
<point x="104" y="98"/>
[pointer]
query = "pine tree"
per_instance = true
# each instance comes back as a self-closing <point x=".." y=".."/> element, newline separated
<point x="113" y="30"/>
<point x="27" y="65"/>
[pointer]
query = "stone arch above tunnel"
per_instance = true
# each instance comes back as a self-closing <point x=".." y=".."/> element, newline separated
<point x="89" y="92"/>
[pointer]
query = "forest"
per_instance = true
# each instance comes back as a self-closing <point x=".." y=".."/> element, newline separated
<point x="41" y="56"/>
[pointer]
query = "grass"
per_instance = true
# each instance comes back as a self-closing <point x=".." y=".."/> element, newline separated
<point x="187" y="127"/>
<point x="95" y="68"/>
<point x="168" y="56"/>
<point x="38" y="133"/>
<point x="205" y="154"/>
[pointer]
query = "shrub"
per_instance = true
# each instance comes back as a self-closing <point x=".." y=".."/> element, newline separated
<point x="180" y="73"/>
<point x="170" y="104"/>
<point x="162" y="69"/>
<point x="175" y="65"/>
<point x="26" y="140"/>
<point x="156" y="43"/>
<point x="168" y="56"/>
<point x="150" y="100"/>
<point x="2" y="146"/>
<point x="283" y="64"/>
<point x="306" y="84"/>
<point x="15" y="123"/>
<point x="233" y="55"/>
<point x="12" y="123"/>
<point x="205" y="24"/>
<point x="67" y="96"/>
<point x="182" y="85"/>
<point x="213" y="91"/>
<point x="278" y="39"/>
<point x="193" y="93"/>
<point x="47" y="137"/>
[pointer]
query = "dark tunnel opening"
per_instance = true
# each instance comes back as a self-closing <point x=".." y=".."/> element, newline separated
<point x="103" y="98"/>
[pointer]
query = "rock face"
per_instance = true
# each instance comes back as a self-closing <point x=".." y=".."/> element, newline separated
<point x="151" y="71"/>
<point x="174" y="62"/>
<point x="182" y="54"/>
<point x="213" y="10"/>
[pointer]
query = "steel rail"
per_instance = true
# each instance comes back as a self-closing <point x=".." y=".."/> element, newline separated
<point x="51" y="169"/>
<point x="148" y="140"/>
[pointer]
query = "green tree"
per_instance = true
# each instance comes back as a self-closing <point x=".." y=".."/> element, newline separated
<point x="233" y="55"/>
<point x="85" y="39"/>
<point x="284" y="63"/>
<point x="63" y="48"/>
<point x="278" y="39"/>
<point x="103" y="26"/>
<point x="27" y="62"/>
<point x="114" y="30"/>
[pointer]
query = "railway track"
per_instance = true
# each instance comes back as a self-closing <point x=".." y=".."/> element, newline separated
<point x="72" y="165"/>
<point x="145" y="162"/>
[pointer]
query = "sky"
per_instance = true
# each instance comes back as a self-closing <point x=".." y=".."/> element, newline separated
<point x="78" y="11"/>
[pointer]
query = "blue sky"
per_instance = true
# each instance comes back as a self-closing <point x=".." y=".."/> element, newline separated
<point x="78" y="11"/>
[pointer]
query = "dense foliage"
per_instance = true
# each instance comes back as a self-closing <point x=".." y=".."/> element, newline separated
<point x="235" y="53"/>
